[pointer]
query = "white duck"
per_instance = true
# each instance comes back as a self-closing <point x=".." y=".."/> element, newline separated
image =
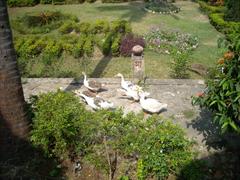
<point x="131" y="93"/>
<point x="124" y="84"/>
<point x="95" y="102"/>
<point x="149" y="104"/>
<point x="91" y="85"/>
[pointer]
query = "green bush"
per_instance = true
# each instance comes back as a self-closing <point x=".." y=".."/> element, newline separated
<point x="211" y="9"/>
<point x="74" y="1"/>
<point x="20" y="3"/>
<point x="62" y="126"/>
<point x="161" y="7"/>
<point x="162" y="149"/>
<point x="91" y="1"/>
<point x="79" y="48"/>
<point x="222" y="95"/>
<point x="40" y="22"/>
<point x="55" y="123"/>
<point x="180" y="65"/>
<point x="88" y="46"/>
<point x="46" y="1"/>
<point x="84" y="27"/>
<point x="52" y="50"/>
<point x="25" y="47"/>
<point x="116" y="1"/>
<point x="67" y="27"/>
<point x="107" y="43"/>
<point x="116" y="45"/>
<point x="233" y="10"/>
<point x="68" y="42"/>
<point x="227" y="27"/>
<point x="120" y="26"/>
<point x="101" y="26"/>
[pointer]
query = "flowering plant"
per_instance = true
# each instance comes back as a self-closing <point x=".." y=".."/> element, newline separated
<point x="222" y="95"/>
<point x="167" y="42"/>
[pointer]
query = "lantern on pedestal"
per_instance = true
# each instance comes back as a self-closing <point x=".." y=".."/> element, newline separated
<point x="138" y="62"/>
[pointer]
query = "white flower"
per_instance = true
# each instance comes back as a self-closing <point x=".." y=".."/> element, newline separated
<point x="167" y="52"/>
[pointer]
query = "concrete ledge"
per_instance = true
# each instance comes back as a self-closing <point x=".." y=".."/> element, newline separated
<point x="116" y="81"/>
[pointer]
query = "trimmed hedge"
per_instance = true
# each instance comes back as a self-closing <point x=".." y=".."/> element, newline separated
<point x="76" y="39"/>
<point x="228" y="27"/>
<point x="116" y="1"/>
<point x="20" y="3"/>
<point x="211" y="9"/>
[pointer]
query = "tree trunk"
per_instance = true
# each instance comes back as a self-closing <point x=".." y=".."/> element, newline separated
<point x="13" y="121"/>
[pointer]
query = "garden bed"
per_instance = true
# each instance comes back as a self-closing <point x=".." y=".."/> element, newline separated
<point x="99" y="66"/>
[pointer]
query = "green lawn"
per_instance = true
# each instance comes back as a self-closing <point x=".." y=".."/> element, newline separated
<point x="189" y="20"/>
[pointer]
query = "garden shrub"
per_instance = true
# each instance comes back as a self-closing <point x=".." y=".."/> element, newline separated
<point x="91" y="1"/>
<point x="46" y="1"/>
<point x="233" y="10"/>
<point x="20" y="3"/>
<point x="161" y="7"/>
<point x="120" y="26"/>
<point x="62" y="127"/>
<point x="116" y="45"/>
<point x="78" y="50"/>
<point x="52" y="50"/>
<point x="162" y="149"/>
<point x="228" y="27"/>
<point x="84" y="27"/>
<point x="179" y="65"/>
<point x="74" y="1"/>
<point x="88" y="46"/>
<point x="67" y="27"/>
<point x="42" y="18"/>
<point x="167" y="42"/>
<point x="222" y="95"/>
<point x="101" y="26"/>
<point x="55" y="122"/>
<point x="116" y="1"/>
<point x="25" y="47"/>
<point x="211" y="9"/>
<point x="43" y="22"/>
<point x="106" y="45"/>
<point x="68" y="42"/>
<point x="128" y="42"/>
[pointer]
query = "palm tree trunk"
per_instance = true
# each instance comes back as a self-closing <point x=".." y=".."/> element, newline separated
<point x="13" y="121"/>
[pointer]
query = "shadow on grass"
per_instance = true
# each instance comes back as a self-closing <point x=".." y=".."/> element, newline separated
<point x="133" y="12"/>
<point x="97" y="72"/>
<point x="20" y="160"/>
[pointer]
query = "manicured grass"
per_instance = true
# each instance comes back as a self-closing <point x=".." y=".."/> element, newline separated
<point x="189" y="20"/>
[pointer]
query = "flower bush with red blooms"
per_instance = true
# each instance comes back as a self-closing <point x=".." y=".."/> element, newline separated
<point x="222" y="96"/>
<point x="128" y="42"/>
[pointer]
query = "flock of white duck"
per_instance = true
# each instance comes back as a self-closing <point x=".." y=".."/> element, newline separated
<point x="129" y="89"/>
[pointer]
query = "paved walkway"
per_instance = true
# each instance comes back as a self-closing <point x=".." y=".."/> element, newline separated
<point x="176" y="93"/>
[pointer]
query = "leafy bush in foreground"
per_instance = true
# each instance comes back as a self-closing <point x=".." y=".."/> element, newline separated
<point x="222" y="96"/>
<point x="55" y="124"/>
<point x="62" y="126"/>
